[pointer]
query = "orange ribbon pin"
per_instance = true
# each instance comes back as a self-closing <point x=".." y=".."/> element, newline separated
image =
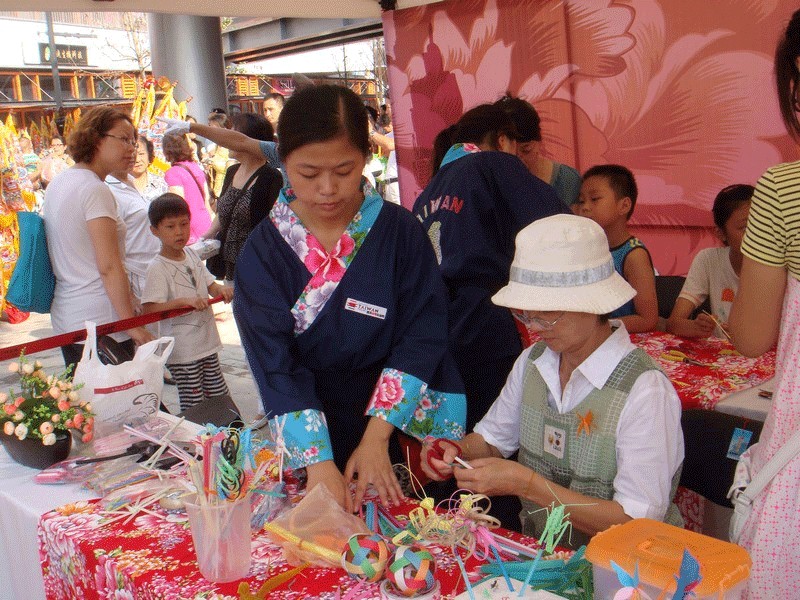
<point x="586" y="422"/>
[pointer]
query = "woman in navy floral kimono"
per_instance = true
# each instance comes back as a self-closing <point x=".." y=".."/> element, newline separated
<point x="342" y="311"/>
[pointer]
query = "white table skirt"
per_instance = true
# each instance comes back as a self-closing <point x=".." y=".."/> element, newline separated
<point x="22" y="502"/>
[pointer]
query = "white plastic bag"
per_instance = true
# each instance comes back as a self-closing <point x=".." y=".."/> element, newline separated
<point x="124" y="394"/>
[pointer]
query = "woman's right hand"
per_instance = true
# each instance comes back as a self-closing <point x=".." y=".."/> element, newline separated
<point x="140" y="335"/>
<point x="327" y="473"/>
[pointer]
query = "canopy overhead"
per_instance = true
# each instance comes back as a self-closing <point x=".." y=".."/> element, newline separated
<point x="318" y="9"/>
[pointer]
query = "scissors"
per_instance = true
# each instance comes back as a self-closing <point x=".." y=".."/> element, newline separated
<point x="437" y="450"/>
<point x="678" y="356"/>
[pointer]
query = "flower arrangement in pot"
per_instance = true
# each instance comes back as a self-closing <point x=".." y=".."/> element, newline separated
<point x="37" y="420"/>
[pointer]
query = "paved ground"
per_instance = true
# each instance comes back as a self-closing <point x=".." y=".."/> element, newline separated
<point x="240" y="382"/>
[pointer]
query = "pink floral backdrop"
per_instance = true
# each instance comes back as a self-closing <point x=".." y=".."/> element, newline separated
<point x="679" y="91"/>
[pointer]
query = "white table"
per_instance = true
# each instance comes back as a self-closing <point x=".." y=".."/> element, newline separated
<point x="22" y="502"/>
<point x="747" y="403"/>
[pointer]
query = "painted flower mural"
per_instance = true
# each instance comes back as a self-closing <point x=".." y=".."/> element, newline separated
<point x="632" y="82"/>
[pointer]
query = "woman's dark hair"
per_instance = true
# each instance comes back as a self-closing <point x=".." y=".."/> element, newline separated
<point x="167" y="205"/>
<point x="525" y="117"/>
<point x="787" y="76"/>
<point x="728" y="200"/>
<point x="253" y="125"/>
<point x="484" y="124"/>
<point x="441" y="144"/>
<point x="319" y="114"/>
<point x="93" y="125"/>
<point x="176" y="148"/>
<point x="149" y="148"/>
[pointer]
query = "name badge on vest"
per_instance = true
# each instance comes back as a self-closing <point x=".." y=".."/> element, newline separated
<point x="555" y="441"/>
<point x="363" y="308"/>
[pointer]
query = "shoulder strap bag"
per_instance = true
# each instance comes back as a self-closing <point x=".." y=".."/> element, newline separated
<point x="743" y="497"/>
<point x="216" y="264"/>
<point x="189" y="171"/>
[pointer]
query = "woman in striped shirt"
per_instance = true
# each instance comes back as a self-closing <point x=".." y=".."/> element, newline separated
<point x="767" y="310"/>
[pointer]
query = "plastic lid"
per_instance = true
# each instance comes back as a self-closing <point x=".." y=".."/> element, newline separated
<point x="658" y="549"/>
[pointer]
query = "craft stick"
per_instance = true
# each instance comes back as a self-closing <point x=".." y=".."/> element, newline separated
<point x="197" y="479"/>
<point x="329" y="555"/>
<point x="175" y="450"/>
<point x="462" y="462"/>
<point x="389" y="517"/>
<point x="502" y="568"/>
<point x="530" y="572"/>
<point x="509" y="543"/>
<point x="163" y="444"/>
<point x="464" y="574"/>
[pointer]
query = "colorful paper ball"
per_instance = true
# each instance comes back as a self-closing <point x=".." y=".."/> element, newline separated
<point x="365" y="556"/>
<point x="411" y="570"/>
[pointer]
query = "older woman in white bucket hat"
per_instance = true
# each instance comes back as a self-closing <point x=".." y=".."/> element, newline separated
<point x="596" y="423"/>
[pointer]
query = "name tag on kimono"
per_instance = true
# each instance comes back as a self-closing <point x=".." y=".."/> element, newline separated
<point x="555" y="441"/>
<point x="363" y="308"/>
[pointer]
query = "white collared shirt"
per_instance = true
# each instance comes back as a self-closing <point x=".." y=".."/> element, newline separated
<point x="649" y="436"/>
<point x="141" y="246"/>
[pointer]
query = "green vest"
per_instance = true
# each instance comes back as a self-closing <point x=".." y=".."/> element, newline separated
<point x="583" y="461"/>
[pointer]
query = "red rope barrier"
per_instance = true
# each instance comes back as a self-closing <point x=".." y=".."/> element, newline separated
<point x="79" y="335"/>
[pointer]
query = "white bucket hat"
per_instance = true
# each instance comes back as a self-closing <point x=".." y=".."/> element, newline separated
<point x="563" y="263"/>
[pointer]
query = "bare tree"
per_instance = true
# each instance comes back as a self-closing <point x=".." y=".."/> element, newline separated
<point x="138" y="48"/>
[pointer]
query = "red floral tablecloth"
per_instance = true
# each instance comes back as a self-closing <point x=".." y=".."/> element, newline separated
<point x="153" y="558"/>
<point x="724" y="370"/>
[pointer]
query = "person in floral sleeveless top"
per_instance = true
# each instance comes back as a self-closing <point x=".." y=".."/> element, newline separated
<point x="766" y="310"/>
<point x="342" y="311"/>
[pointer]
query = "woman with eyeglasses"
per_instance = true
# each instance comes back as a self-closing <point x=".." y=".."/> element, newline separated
<point x="149" y="185"/>
<point x="595" y="421"/>
<point x="55" y="162"/>
<point x="86" y="234"/>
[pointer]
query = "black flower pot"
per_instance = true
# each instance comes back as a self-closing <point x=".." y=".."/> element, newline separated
<point x="31" y="452"/>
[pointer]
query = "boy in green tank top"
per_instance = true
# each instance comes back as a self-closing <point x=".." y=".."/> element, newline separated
<point x="596" y="423"/>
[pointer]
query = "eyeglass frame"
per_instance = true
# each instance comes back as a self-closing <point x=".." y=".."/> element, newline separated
<point x="132" y="143"/>
<point x="536" y="322"/>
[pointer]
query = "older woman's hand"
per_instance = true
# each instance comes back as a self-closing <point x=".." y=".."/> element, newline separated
<point x="437" y="463"/>
<point x="494" y="477"/>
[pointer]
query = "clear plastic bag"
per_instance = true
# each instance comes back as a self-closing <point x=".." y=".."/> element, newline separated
<point x="319" y="520"/>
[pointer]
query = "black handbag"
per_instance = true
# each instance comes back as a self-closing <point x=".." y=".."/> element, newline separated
<point x="216" y="263"/>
